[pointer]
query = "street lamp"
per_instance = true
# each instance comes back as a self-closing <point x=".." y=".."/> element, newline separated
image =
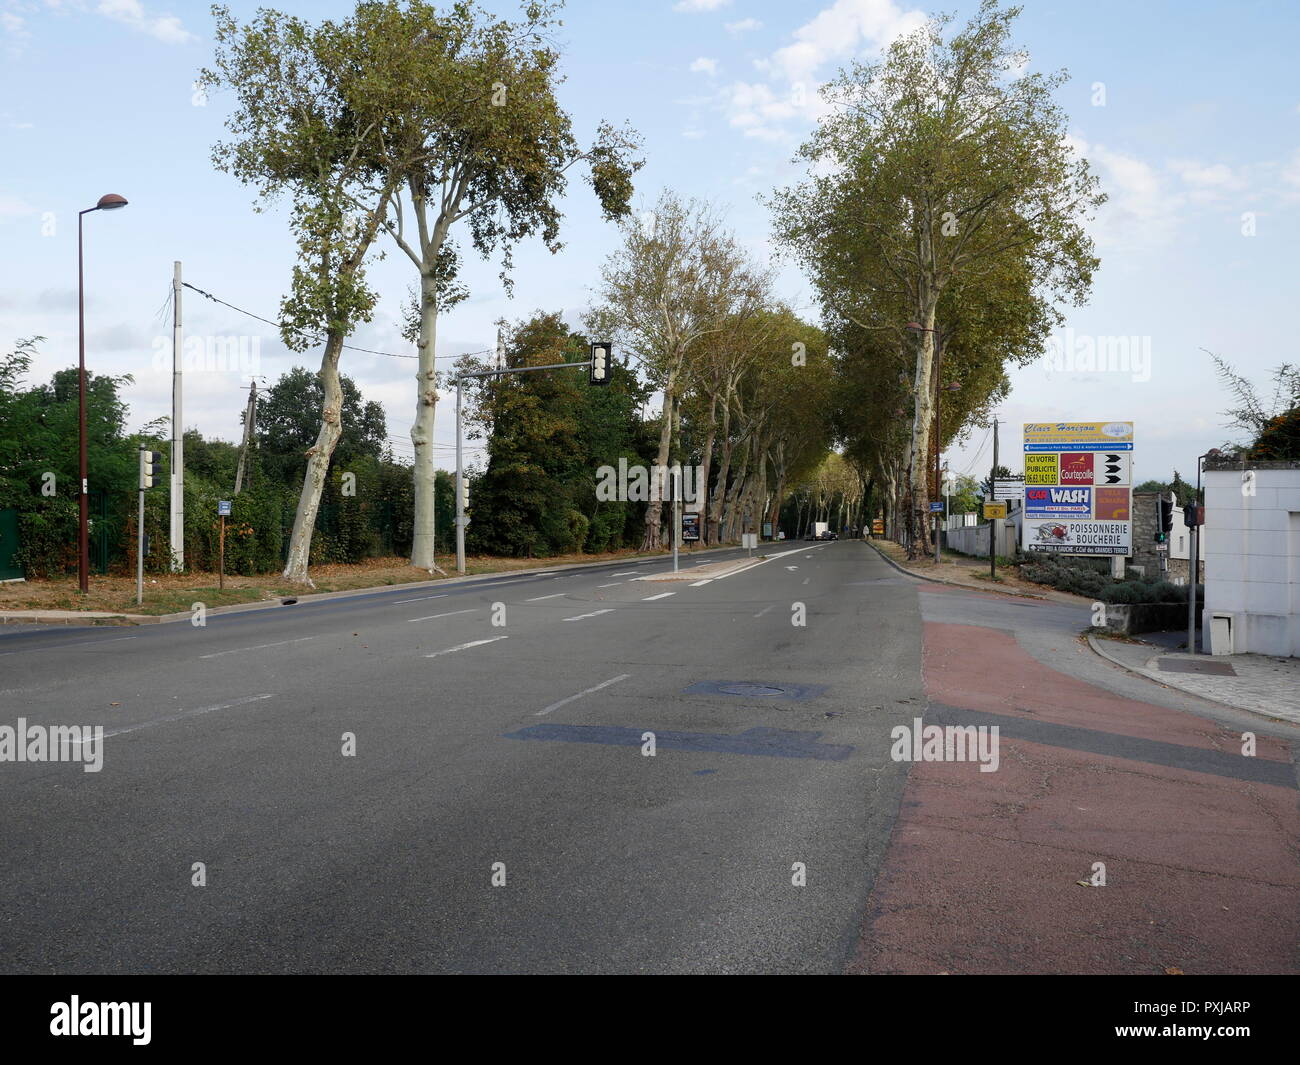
<point x="110" y="202"/>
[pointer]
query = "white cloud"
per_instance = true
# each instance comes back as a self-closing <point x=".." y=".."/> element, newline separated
<point x="166" y="28"/>
<point x="12" y="207"/>
<point x="743" y="26"/>
<point x="704" y="65"/>
<point x="694" y="6"/>
<point x="846" y="30"/>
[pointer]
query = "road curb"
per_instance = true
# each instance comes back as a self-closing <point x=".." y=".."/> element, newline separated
<point x="106" y="618"/>
<point x="1095" y="644"/>
<point x="953" y="584"/>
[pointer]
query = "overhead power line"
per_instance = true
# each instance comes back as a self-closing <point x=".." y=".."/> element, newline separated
<point x="350" y="347"/>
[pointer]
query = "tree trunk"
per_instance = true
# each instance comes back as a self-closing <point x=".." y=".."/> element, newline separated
<point x="654" y="509"/>
<point x="318" y="464"/>
<point x="923" y="414"/>
<point x="706" y="462"/>
<point x="423" y="538"/>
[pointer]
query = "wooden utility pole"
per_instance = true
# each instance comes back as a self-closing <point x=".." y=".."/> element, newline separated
<point x="250" y="412"/>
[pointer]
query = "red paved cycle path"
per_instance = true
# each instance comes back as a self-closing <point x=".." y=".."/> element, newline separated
<point x="1202" y="870"/>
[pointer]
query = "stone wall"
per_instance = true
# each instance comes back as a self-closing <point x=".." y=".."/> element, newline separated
<point x="1144" y="542"/>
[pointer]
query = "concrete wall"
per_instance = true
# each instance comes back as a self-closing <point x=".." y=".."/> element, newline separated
<point x="974" y="539"/>
<point x="1252" y="566"/>
<point x="1144" y="545"/>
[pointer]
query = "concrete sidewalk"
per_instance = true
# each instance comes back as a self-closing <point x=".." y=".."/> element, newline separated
<point x="1257" y="683"/>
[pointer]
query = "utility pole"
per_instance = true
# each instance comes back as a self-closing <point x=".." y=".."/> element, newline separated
<point x="177" y="480"/>
<point x="993" y="522"/>
<point x="677" y="511"/>
<point x="250" y="412"/>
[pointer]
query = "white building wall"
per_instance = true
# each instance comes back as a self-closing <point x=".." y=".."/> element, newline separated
<point x="1252" y="562"/>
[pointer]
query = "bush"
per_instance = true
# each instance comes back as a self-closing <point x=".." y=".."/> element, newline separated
<point x="47" y="533"/>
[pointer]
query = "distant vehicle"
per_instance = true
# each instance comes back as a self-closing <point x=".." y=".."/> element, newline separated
<point x="819" y="530"/>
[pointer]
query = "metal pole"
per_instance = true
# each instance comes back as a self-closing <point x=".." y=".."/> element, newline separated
<point x="1193" y="549"/>
<point x="677" y="516"/>
<point x="83" y="500"/>
<point x="177" y="500"/>
<point x="460" y="491"/>
<point x="222" y="577"/>
<point x="993" y="522"/>
<point x="139" y="552"/>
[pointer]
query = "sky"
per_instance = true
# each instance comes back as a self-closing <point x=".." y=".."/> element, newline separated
<point x="1189" y="112"/>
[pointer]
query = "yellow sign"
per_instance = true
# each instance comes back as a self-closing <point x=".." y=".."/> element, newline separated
<point x="1042" y="469"/>
<point x="878" y="527"/>
<point x="995" y="510"/>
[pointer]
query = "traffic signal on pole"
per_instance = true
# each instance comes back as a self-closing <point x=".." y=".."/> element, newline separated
<point x="601" y="354"/>
<point x="148" y="460"/>
<point x="1192" y="515"/>
<point x="1164" y="518"/>
<point x="464" y="494"/>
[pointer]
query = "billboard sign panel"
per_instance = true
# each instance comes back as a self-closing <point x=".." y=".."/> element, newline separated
<point x="1078" y="499"/>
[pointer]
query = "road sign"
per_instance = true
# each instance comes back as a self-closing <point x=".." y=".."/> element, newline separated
<point x="749" y="540"/>
<point x="936" y="506"/>
<point x="995" y="510"/>
<point x="1007" y="489"/>
<point x="1078" y="499"/>
<point x="223" y="508"/>
<point x="877" y="526"/>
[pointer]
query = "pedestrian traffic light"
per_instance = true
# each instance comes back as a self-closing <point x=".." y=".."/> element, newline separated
<point x="600" y="364"/>
<point x="148" y="459"/>
<point x="1193" y="515"/>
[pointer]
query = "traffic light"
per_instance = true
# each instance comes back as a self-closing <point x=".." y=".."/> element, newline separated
<point x="1193" y="515"/>
<point x="601" y="356"/>
<point x="464" y="494"/>
<point x="1164" y="518"/>
<point x="148" y="459"/>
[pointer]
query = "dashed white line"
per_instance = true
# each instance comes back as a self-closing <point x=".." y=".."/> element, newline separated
<point x="419" y="598"/>
<point x="661" y="595"/>
<point x="625" y="573"/>
<point x="696" y="584"/>
<point x="182" y="715"/>
<point x="257" y="647"/>
<point x="765" y="610"/>
<point x="593" y="614"/>
<point x="585" y="691"/>
<point x="450" y="613"/>
<point x="463" y="646"/>
<point x="539" y="598"/>
<point x="613" y="584"/>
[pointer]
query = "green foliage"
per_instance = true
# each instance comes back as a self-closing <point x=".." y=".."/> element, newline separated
<point x="47" y="533"/>
<point x="1078" y="577"/>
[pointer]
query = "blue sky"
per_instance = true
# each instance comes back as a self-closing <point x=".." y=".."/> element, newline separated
<point x="1190" y="113"/>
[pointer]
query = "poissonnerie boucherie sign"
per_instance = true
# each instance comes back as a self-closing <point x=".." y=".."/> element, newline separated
<point x="1078" y="488"/>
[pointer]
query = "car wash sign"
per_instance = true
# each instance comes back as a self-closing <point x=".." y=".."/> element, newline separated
<point x="1078" y="488"/>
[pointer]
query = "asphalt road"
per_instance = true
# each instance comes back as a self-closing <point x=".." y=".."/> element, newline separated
<point x="478" y="747"/>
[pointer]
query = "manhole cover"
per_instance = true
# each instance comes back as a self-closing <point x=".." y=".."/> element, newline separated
<point x="750" y="689"/>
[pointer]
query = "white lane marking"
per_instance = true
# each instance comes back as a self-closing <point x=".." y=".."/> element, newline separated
<point x="585" y="691"/>
<point x="696" y="584"/>
<point x="450" y="613"/>
<point x="661" y="595"/>
<point x="463" y="646"/>
<point x="182" y="715"/>
<point x="765" y="610"/>
<point x="539" y="598"/>
<point x="806" y="580"/>
<point x="625" y="573"/>
<point x="614" y="584"/>
<point x="593" y="614"/>
<point x="420" y="598"/>
<point x="791" y="567"/>
<point x="258" y="647"/>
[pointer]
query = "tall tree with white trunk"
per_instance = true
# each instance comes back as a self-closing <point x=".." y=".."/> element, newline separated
<point x="943" y="162"/>
<point x="473" y="136"/>
<point x="292" y="134"/>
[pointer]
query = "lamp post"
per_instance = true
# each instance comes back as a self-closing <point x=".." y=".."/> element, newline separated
<point x="110" y="202"/>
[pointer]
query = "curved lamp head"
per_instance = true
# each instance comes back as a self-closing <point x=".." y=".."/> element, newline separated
<point x="111" y="202"/>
